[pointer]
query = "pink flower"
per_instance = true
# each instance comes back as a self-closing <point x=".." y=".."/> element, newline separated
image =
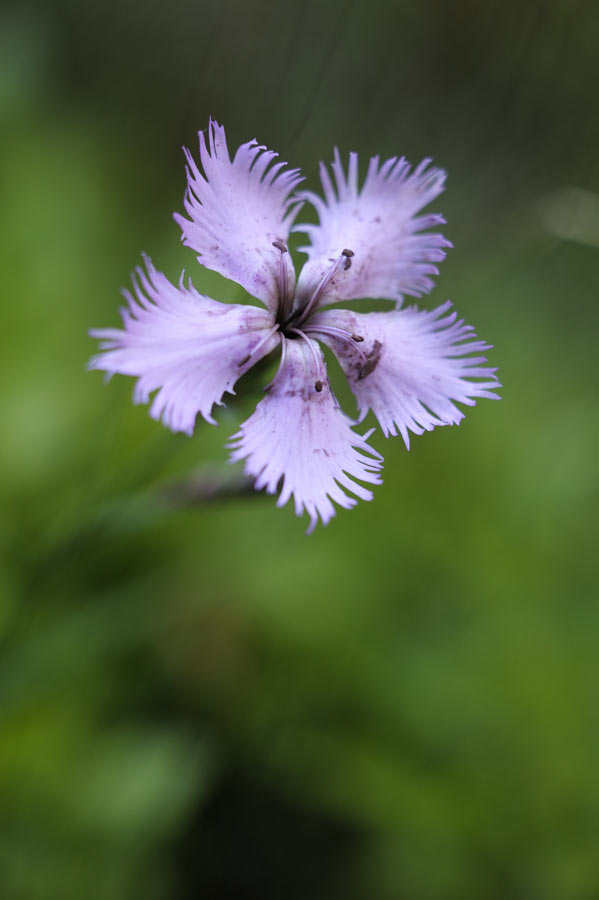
<point x="408" y="366"/>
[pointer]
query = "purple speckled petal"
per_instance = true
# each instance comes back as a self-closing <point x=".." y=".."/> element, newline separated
<point x="299" y="434"/>
<point x="187" y="347"/>
<point x="236" y="210"/>
<point x="379" y="223"/>
<point x="411" y="366"/>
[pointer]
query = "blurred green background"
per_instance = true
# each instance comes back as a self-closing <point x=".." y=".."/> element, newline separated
<point x="196" y="700"/>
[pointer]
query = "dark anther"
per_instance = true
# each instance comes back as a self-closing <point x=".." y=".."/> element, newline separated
<point x="318" y="386"/>
<point x="244" y="360"/>
<point x="347" y="263"/>
<point x="280" y="246"/>
<point x="357" y="338"/>
<point x="347" y="252"/>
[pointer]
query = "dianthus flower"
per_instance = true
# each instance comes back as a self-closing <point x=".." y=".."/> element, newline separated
<point x="408" y="366"/>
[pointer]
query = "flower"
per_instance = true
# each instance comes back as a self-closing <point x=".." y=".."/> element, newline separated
<point x="408" y="366"/>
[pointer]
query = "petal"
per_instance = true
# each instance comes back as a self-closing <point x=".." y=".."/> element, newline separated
<point x="411" y="366"/>
<point x="379" y="223"/>
<point x="189" y="348"/>
<point x="299" y="434"/>
<point x="236" y="210"/>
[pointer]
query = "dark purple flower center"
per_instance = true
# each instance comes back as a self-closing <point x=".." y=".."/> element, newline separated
<point x="290" y="319"/>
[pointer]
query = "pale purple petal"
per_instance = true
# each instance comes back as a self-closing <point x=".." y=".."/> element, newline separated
<point x="236" y="210"/>
<point x="411" y="365"/>
<point x="394" y="254"/>
<point x="188" y="348"/>
<point x="299" y="434"/>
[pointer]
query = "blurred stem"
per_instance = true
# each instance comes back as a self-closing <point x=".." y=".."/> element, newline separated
<point x="127" y="515"/>
<point x="207" y="484"/>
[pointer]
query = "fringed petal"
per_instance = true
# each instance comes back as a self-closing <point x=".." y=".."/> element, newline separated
<point x="409" y="366"/>
<point x="299" y="436"/>
<point x="187" y="347"/>
<point x="393" y="253"/>
<point x="236" y="210"/>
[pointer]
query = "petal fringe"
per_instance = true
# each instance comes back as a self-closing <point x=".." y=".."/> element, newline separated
<point x="411" y="366"/>
<point x="379" y="223"/>
<point x="299" y="441"/>
<point x="187" y="347"/>
<point x="236" y="209"/>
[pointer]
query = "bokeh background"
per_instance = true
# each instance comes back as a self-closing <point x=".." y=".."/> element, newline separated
<point x="196" y="700"/>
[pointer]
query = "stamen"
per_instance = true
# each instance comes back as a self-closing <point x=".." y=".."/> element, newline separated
<point x="318" y="386"/>
<point x="315" y="357"/>
<point x="343" y="260"/>
<point x="284" y="298"/>
<point x="259" y="345"/>
<point x="341" y="335"/>
<point x="270" y="384"/>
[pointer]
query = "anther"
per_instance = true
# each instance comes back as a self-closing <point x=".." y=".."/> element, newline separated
<point x="244" y="360"/>
<point x="318" y="386"/>
<point x="347" y="261"/>
<point x="280" y="246"/>
<point x="357" y="338"/>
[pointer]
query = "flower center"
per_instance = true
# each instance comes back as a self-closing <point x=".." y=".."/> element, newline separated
<point x="288" y="318"/>
<point x="295" y="324"/>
